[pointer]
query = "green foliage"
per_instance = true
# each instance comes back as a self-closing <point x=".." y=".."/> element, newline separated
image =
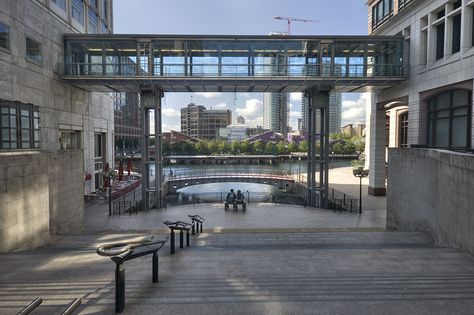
<point x="258" y="147"/>
<point x="303" y="146"/>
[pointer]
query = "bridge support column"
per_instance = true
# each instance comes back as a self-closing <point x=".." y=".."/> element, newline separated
<point x="318" y="101"/>
<point x="152" y="182"/>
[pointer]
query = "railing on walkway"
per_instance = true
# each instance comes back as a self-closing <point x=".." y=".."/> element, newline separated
<point x="130" y="202"/>
<point x="218" y="173"/>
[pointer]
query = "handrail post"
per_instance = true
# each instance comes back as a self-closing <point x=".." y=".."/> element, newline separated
<point x="119" y="288"/>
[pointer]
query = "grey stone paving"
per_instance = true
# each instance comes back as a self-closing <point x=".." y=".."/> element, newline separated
<point x="251" y="273"/>
<point x="273" y="259"/>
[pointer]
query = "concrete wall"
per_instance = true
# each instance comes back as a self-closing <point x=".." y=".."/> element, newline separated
<point x="66" y="201"/>
<point x="24" y="202"/>
<point x="432" y="190"/>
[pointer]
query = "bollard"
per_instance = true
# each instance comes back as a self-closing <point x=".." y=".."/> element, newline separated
<point x="172" y="241"/>
<point x="155" y="267"/>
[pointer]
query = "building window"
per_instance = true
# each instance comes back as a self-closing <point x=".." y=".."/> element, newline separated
<point x="69" y="140"/>
<point x="403" y="130"/>
<point x="78" y="11"/>
<point x="472" y="26"/>
<point x="457" y="4"/>
<point x="104" y="9"/>
<point x="456" y="45"/>
<point x="60" y="3"/>
<point x="33" y="50"/>
<point x="4" y="36"/>
<point x="381" y="11"/>
<point x="449" y="120"/>
<point x="403" y="3"/>
<point x="440" y="41"/>
<point x="19" y="126"/>
<point x="93" y="22"/>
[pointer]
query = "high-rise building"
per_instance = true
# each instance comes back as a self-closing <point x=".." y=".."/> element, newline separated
<point x="55" y="138"/>
<point x="335" y="113"/>
<point x="127" y="128"/>
<point x="275" y="112"/>
<point x="241" y="120"/>
<point x="200" y="123"/>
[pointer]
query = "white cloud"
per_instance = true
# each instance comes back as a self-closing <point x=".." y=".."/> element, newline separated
<point x="209" y="94"/>
<point x="295" y="96"/>
<point x="222" y="105"/>
<point x="252" y="107"/>
<point x="170" y="112"/>
<point x="353" y="112"/>
<point x="166" y="127"/>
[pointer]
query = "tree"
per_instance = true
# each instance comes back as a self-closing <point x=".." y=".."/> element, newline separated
<point x="303" y="146"/>
<point x="212" y="147"/>
<point x="269" y="148"/>
<point x="245" y="147"/>
<point x="258" y="147"/>
<point x="282" y="148"/>
<point x="292" y="147"/>
<point x="235" y="147"/>
<point x="200" y="147"/>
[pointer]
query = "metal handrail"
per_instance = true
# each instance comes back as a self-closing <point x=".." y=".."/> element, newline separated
<point x="215" y="70"/>
<point x="72" y="306"/>
<point x="31" y="307"/>
<point x="190" y="175"/>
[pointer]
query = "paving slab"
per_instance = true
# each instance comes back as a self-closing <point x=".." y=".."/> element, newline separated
<point x="250" y="273"/>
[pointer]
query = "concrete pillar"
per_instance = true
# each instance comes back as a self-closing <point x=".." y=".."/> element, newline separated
<point x="376" y="146"/>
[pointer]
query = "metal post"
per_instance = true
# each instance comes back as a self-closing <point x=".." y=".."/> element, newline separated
<point x="110" y="194"/>
<point x="172" y="241"/>
<point x="181" y="239"/>
<point x="119" y="288"/>
<point x="187" y="238"/>
<point x="155" y="267"/>
<point x="360" y="194"/>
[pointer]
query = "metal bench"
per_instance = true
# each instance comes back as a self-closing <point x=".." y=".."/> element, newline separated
<point x="120" y="252"/>
<point x="180" y="226"/>
<point x="197" y="221"/>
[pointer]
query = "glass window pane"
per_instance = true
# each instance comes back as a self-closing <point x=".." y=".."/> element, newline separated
<point x="25" y="145"/>
<point x="459" y="138"/>
<point x="33" y="50"/>
<point x="5" y="135"/>
<point x="440" y="41"/>
<point x="443" y="113"/>
<point x="13" y="145"/>
<point x="4" y="36"/>
<point x="5" y="121"/>
<point x="460" y="97"/>
<point x="442" y="132"/>
<point x="60" y="3"/>
<point x="456" y="34"/>
<point x="25" y="135"/>
<point x="460" y="111"/>
<point x="36" y="135"/>
<point x="25" y="122"/>
<point x="4" y="110"/>
<point x="13" y="121"/>
<point x="13" y="134"/>
<point x="443" y="100"/>
<point x="78" y="11"/>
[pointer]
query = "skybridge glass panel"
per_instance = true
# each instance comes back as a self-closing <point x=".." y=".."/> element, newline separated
<point x="235" y="58"/>
<point x="172" y="56"/>
<point x="203" y="58"/>
<point x="270" y="58"/>
<point x="296" y="52"/>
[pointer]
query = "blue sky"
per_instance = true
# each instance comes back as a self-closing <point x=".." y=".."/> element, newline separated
<point x="244" y="17"/>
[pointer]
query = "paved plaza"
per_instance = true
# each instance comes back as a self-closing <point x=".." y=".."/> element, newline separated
<point x="272" y="259"/>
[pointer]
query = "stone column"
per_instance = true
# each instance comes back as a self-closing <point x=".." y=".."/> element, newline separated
<point x="376" y="146"/>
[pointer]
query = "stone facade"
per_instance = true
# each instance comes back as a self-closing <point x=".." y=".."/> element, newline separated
<point x="59" y="179"/>
<point x="432" y="190"/>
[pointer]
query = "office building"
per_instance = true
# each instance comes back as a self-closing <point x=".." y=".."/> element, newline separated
<point x="200" y="123"/>
<point x="335" y="113"/>
<point x="127" y="128"/>
<point x="275" y="112"/>
<point x="427" y="121"/>
<point x="53" y="135"/>
<point x="241" y="120"/>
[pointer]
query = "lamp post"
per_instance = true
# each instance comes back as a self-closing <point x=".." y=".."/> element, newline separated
<point x="361" y="173"/>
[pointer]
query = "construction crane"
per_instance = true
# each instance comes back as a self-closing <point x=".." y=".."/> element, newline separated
<point x="290" y="19"/>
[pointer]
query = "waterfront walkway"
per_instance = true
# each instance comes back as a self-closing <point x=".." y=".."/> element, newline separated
<point x="273" y="259"/>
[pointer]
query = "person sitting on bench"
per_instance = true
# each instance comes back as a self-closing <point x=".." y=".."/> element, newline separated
<point x="229" y="199"/>
<point x="239" y="199"/>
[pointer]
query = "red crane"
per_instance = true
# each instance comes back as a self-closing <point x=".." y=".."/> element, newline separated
<point x="290" y="19"/>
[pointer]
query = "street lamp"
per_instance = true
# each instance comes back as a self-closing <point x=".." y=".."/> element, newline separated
<point x="361" y="173"/>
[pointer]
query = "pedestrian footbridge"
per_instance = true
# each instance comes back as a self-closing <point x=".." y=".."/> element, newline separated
<point x="278" y="178"/>
<point x="232" y="63"/>
<point x="154" y="64"/>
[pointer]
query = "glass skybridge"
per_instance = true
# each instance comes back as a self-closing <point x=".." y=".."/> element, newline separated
<point x="216" y="63"/>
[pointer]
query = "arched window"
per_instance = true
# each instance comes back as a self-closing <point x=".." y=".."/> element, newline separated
<point x="403" y="130"/>
<point x="449" y="120"/>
